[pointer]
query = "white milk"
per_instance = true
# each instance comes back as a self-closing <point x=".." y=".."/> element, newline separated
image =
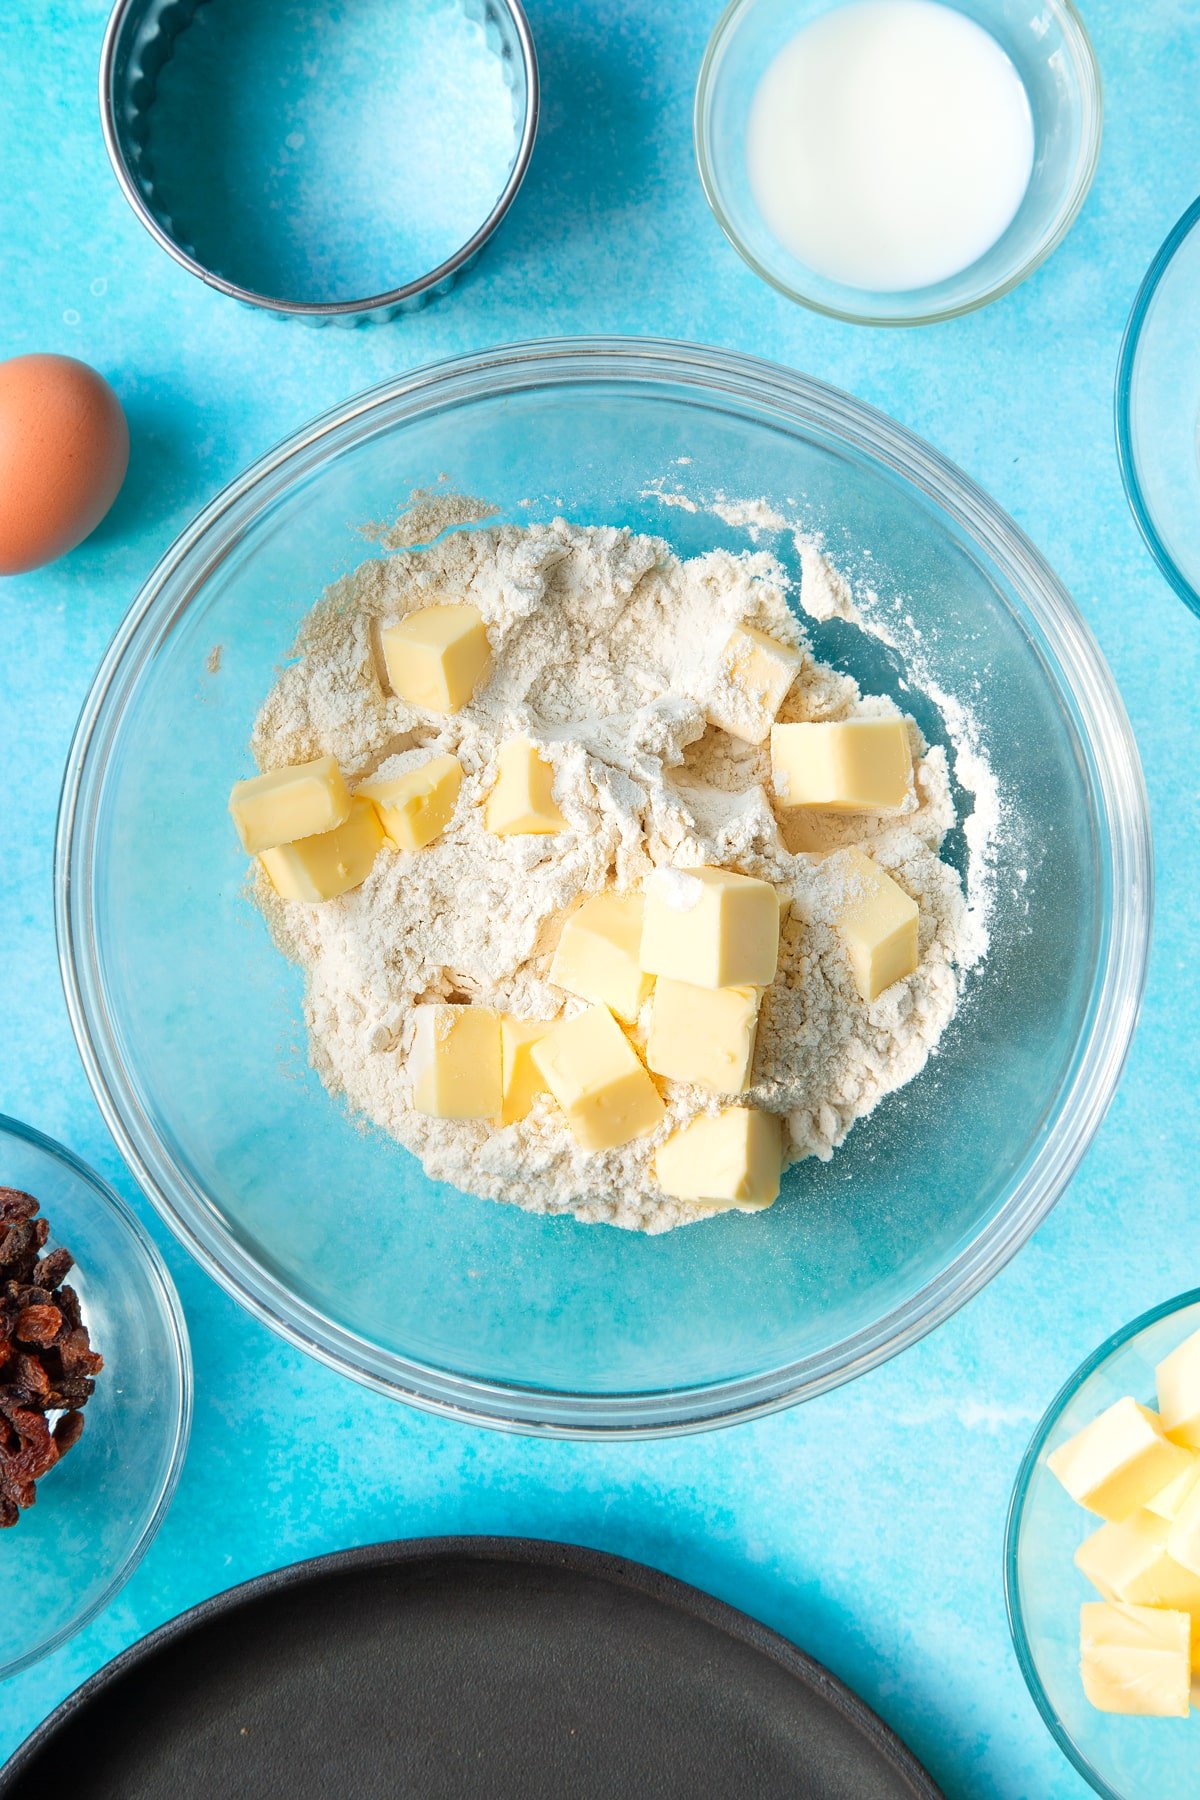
<point x="889" y="143"/>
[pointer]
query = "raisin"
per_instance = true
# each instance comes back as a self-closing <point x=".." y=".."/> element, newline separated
<point x="16" y="1205"/>
<point x="68" y="1432"/>
<point x="69" y="1394"/>
<point x="78" y="1357"/>
<point x="18" y="1249"/>
<point x="38" y="1324"/>
<point x="47" y="1364"/>
<point x="32" y="1452"/>
<point x="52" y="1269"/>
<point x="67" y="1302"/>
<point x="30" y="1381"/>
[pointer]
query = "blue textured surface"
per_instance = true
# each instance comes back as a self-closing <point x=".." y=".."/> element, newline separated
<point x="868" y="1525"/>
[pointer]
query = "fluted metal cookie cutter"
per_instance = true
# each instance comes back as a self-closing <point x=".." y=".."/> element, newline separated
<point x="138" y="42"/>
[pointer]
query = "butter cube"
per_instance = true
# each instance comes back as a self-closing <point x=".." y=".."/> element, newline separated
<point x="594" y="1073"/>
<point x="1135" y="1565"/>
<point x="416" y="806"/>
<point x="705" y="1035"/>
<point x="1119" y="1461"/>
<point x="756" y="673"/>
<point x="1131" y="1561"/>
<point x="733" y="1158"/>
<point x="522" y="1078"/>
<point x="1183" y="1533"/>
<point x="455" y="1063"/>
<point x="1167" y="1502"/>
<point x="437" y="657"/>
<point x="710" y="927"/>
<point x="877" y="922"/>
<point x="286" y="804"/>
<point x="331" y="862"/>
<point x="597" y="954"/>
<point x="855" y="765"/>
<point x="1178" y="1380"/>
<point x="522" y="801"/>
<point x="1135" y="1659"/>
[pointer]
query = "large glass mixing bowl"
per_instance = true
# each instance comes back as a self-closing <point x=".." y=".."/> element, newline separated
<point x="189" y="1020"/>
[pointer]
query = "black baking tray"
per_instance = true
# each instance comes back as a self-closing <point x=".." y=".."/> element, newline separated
<point x="464" y="1666"/>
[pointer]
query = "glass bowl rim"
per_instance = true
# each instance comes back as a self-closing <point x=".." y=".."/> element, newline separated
<point x="1135" y="491"/>
<point x="171" y="1313"/>
<point x="1090" y="86"/>
<point x="1117" y="981"/>
<point x="1016" y="1513"/>
<point x="320" y="311"/>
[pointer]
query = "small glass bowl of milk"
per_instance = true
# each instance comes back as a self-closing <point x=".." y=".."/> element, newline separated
<point x="894" y="162"/>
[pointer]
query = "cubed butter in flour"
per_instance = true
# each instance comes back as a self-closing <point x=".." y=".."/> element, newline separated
<point x="877" y="922"/>
<point x="755" y="673"/>
<point x="1135" y="1659"/>
<point x="711" y="927"/>
<point x="705" y="1035"/>
<point x="732" y="1159"/>
<point x="455" y="1062"/>
<point x="1177" y="1378"/>
<point x="290" y="803"/>
<point x="522" y="801"/>
<point x="597" y="954"/>
<point x="851" y="765"/>
<point x="331" y="862"/>
<point x="437" y="657"/>
<point x="417" y="806"/>
<point x="1118" y="1461"/>
<point x="595" y="1075"/>
<point x="521" y="1076"/>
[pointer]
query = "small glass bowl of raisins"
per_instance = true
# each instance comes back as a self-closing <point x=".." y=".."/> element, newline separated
<point x="95" y="1394"/>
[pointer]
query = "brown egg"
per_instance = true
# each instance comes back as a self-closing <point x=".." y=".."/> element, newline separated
<point x="64" y="449"/>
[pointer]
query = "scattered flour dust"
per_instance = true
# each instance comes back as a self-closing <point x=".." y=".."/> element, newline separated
<point x="605" y="647"/>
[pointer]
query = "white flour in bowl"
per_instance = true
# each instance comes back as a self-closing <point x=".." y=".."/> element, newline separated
<point x="604" y="649"/>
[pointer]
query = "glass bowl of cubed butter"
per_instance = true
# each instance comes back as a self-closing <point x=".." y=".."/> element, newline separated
<point x="191" y="1023"/>
<point x="1103" y="1560"/>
